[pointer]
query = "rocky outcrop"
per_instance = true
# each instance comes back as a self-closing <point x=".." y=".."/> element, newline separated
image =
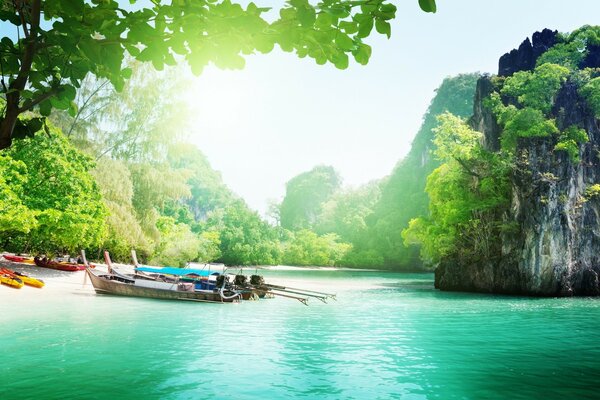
<point x="483" y="120"/>
<point x="524" y="58"/>
<point x="551" y="244"/>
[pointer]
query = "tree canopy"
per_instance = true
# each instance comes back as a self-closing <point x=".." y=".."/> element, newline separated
<point x="59" y="42"/>
<point x="305" y="195"/>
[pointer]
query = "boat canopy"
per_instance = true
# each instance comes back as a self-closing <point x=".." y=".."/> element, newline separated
<point x="174" y="271"/>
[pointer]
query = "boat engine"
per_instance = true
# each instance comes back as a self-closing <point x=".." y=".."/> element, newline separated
<point x="257" y="280"/>
<point x="221" y="281"/>
<point x="241" y="281"/>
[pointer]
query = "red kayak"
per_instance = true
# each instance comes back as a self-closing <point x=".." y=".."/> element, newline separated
<point x="17" y="259"/>
<point x="62" y="266"/>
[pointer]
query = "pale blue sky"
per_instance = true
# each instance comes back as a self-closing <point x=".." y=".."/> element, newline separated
<point x="283" y="115"/>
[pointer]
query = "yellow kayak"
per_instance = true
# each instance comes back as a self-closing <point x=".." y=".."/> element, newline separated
<point x="26" y="279"/>
<point x="8" y="280"/>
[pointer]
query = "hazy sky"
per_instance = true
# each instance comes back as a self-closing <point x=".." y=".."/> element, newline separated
<point x="283" y="115"/>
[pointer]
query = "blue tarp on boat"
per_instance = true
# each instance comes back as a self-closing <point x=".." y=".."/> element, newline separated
<point x="174" y="271"/>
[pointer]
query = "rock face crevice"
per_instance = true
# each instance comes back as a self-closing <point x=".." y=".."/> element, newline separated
<point x="483" y="119"/>
<point x="552" y="244"/>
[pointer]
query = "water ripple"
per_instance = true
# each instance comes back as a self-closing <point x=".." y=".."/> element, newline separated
<point x="388" y="336"/>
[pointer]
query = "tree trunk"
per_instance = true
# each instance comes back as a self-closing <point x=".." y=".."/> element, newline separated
<point x="13" y="96"/>
<point x="6" y="127"/>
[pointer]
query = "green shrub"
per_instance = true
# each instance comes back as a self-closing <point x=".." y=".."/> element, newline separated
<point x="591" y="92"/>
<point x="570" y="140"/>
<point x="536" y="89"/>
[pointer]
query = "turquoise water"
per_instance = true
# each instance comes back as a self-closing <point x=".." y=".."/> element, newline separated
<point x="395" y="338"/>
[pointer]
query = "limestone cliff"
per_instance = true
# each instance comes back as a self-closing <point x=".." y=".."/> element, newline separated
<point x="553" y="248"/>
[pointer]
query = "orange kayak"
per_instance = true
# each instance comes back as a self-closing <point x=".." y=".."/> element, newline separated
<point x="60" y="265"/>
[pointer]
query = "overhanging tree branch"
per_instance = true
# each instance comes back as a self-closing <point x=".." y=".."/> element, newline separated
<point x="32" y="103"/>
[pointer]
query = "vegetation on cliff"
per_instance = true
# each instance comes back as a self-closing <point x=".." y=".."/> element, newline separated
<point x="472" y="189"/>
<point x="371" y="218"/>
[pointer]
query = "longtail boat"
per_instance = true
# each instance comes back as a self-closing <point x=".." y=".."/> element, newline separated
<point x="123" y="285"/>
<point x="59" y="265"/>
<point x="11" y="281"/>
<point x="26" y="279"/>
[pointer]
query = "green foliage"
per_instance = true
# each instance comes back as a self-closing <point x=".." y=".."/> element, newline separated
<point x="207" y="190"/>
<point x="307" y="248"/>
<point x="210" y="242"/>
<point x="346" y="212"/>
<point x="587" y="34"/>
<point x="124" y="229"/>
<point x="454" y="139"/>
<point x="305" y="195"/>
<point x="592" y="191"/>
<point x="570" y="140"/>
<point x="467" y="194"/>
<point x="364" y="258"/>
<point x="245" y="239"/>
<point x="60" y="192"/>
<point x="591" y="92"/>
<point x="525" y="122"/>
<point x="154" y="184"/>
<point x="15" y="217"/>
<point x="536" y="89"/>
<point x="573" y="49"/>
<point x="428" y="5"/>
<point x="178" y="244"/>
<point x="568" y="55"/>
<point x="402" y="195"/>
<point x="51" y="59"/>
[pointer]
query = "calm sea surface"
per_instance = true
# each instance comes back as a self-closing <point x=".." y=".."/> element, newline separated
<point x="388" y="336"/>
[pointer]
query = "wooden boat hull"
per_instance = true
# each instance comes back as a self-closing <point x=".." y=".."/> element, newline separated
<point x="103" y="284"/>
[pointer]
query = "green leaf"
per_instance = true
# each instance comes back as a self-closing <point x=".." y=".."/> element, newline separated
<point x="349" y="27"/>
<point x="60" y="102"/>
<point x="20" y="131"/>
<point x="383" y="27"/>
<point x="91" y="50"/>
<point x="10" y="16"/>
<point x="126" y="73"/>
<point x="362" y="54"/>
<point x="306" y="16"/>
<point x="338" y="11"/>
<point x="365" y="28"/>
<point x="68" y="92"/>
<point x="7" y="42"/>
<point x="27" y="128"/>
<point x="73" y="109"/>
<point x="45" y="108"/>
<point x="340" y="60"/>
<point x="324" y="21"/>
<point x="428" y="5"/>
<point x="344" y="42"/>
<point x="388" y="9"/>
<point x="35" y="124"/>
